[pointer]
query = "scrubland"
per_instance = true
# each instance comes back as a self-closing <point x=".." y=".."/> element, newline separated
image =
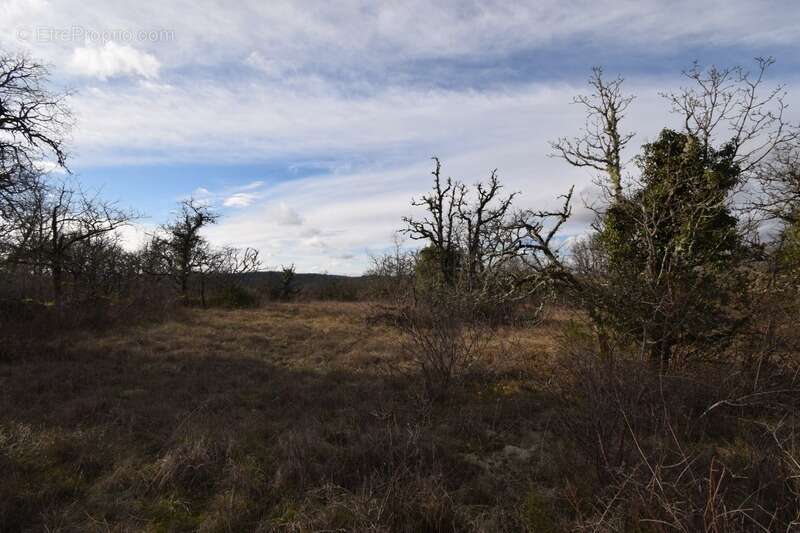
<point x="301" y="417"/>
<point x="504" y="370"/>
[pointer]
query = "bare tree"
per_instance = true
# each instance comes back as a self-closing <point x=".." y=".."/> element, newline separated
<point x="469" y="234"/>
<point x="62" y="219"/>
<point x="779" y="178"/>
<point x="225" y="264"/>
<point x="730" y="106"/>
<point x="391" y="274"/>
<point x="34" y="123"/>
<point x="484" y="223"/>
<point x="536" y="233"/>
<point x="440" y="225"/>
<point x="538" y="237"/>
<point x="75" y="218"/>
<point x="179" y="250"/>
<point x="236" y="261"/>
<point x="601" y="144"/>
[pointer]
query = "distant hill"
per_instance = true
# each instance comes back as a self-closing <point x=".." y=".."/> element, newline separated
<point x="320" y="286"/>
<point x="309" y="280"/>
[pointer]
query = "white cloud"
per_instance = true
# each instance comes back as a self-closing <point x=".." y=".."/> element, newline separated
<point x="251" y="186"/>
<point x="271" y="67"/>
<point x="112" y="60"/>
<point x="239" y="199"/>
<point x="49" y="167"/>
<point x="286" y="216"/>
<point x="336" y="85"/>
<point x="133" y="236"/>
<point x="283" y="36"/>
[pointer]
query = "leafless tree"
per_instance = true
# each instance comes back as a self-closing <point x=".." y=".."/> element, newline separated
<point x="34" y="123"/>
<point x="225" y="264"/>
<point x="74" y="218"/>
<point x="540" y="242"/>
<point x="731" y="106"/>
<point x="469" y="235"/>
<point x="392" y="274"/>
<point x="485" y="225"/>
<point x="440" y="225"/>
<point x="778" y="198"/>
<point x="602" y="142"/>
<point x="59" y="220"/>
<point x="179" y="250"/>
<point x="236" y="261"/>
<point x="536" y="232"/>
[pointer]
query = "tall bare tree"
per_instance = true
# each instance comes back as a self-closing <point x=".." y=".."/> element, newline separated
<point x="485" y="229"/>
<point x="34" y="123"/>
<point x="440" y="225"/>
<point x="602" y="141"/>
<point x="733" y="107"/>
<point x="73" y="218"/>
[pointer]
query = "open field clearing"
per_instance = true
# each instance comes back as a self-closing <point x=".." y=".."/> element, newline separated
<point x="281" y="418"/>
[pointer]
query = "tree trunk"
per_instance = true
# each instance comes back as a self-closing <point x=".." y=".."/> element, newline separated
<point x="184" y="278"/>
<point x="57" y="261"/>
<point x="58" y="274"/>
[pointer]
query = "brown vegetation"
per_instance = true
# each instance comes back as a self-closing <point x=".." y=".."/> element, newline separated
<point x="282" y="418"/>
<point x="661" y="394"/>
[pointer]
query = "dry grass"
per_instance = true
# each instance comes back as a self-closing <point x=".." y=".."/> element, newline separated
<point x="277" y="419"/>
<point x="293" y="418"/>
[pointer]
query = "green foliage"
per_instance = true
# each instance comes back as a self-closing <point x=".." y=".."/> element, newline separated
<point x="431" y="266"/>
<point x="682" y="202"/>
<point x="235" y="297"/>
<point x="287" y="290"/>
<point x="671" y="247"/>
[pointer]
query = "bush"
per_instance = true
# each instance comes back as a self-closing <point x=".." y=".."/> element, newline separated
<point x="235" y="297"/>
<point x="695" y="451"/>
<point x="445" y="337"/>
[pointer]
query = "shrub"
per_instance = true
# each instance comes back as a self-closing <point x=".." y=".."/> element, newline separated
<point x="235" y="297"/>
<point x="446" y="336"/>
<point x="695" y="451"/>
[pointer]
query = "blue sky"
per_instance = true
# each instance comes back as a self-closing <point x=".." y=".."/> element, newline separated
<point x="310" y="125"/>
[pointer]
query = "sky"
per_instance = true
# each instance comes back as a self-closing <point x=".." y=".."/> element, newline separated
<point x="309" y="125"/>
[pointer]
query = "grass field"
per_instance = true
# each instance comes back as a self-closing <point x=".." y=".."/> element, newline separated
<point x="284" y="418"/>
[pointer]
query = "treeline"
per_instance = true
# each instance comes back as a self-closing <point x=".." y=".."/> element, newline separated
<point x="61" y="253"/>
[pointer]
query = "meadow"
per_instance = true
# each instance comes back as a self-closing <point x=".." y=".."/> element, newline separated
<point x="280" y="418"/>
<point x="308" y="416"/>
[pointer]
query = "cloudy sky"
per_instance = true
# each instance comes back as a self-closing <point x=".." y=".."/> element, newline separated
<point x="310" y="125"/>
